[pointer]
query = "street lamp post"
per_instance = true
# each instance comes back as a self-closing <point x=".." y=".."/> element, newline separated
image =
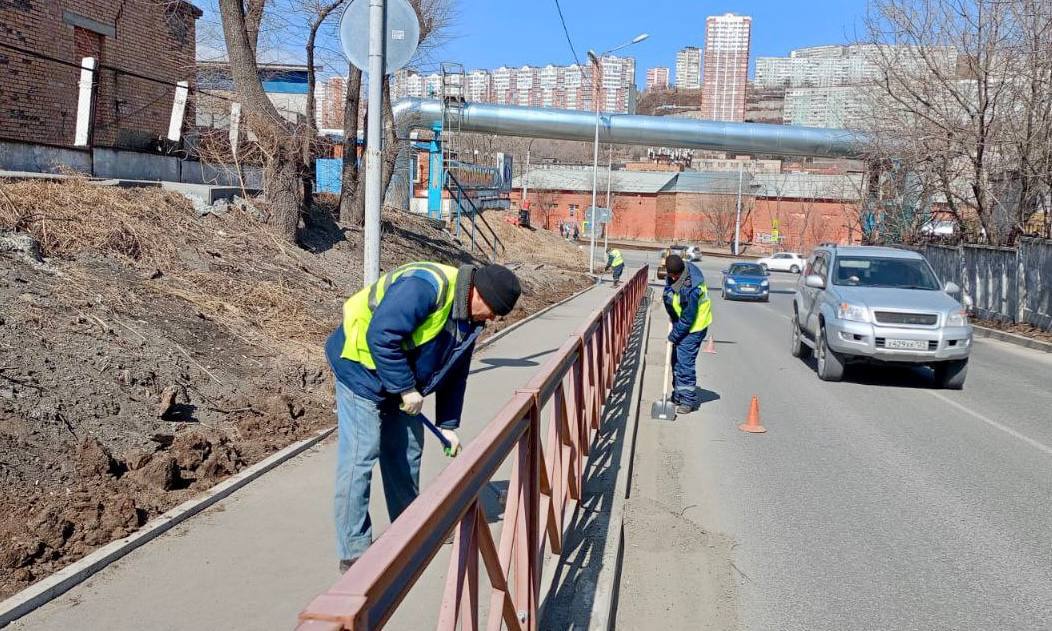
<point x="526" y="177"/>
<point x="609" y="177"/>
<point x="594" y="58"/>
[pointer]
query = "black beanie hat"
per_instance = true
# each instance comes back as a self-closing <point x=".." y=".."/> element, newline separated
<point x="499" y="288"/>
<point x="674" y="264"/>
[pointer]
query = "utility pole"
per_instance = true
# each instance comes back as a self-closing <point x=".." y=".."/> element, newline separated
<point x="738" y="215"/>
<point x="373" y="166"/>
<point x="609" y="176"/>
<point x="595" y="169"/>
<point x="526" y="176"/>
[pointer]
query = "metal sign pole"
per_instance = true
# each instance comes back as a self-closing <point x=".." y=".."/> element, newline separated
<point x="373" y="168"/>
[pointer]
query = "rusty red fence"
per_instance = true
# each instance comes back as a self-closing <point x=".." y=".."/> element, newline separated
<point x="575" y="382"/>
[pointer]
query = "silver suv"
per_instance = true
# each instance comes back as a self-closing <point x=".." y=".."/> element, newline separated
<point x="875" y="304"/>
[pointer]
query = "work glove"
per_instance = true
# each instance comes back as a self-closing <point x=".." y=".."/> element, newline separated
<point x="412" y="402"/>
<point x="454" y="442"/>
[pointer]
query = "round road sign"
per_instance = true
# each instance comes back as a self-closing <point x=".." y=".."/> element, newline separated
<point x="401" y="34"/>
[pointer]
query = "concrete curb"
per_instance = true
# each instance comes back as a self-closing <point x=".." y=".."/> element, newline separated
<point x="60" y="582"/>
<point x="1012" y="338"/>
<point x="604" y="604"/>
<point x="70" y="576"/>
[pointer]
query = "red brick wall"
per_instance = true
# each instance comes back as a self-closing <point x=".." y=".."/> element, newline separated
<point x="805" y="224"/>
<point x="38" y="98"/>
<point x="681" y="217"/>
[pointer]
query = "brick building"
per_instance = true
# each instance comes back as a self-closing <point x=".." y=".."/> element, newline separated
<point x="799" y="210"/>
<point x="143" y="48"/>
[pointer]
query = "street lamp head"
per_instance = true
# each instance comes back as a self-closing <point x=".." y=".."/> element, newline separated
<point x="640" y="37"/>
<point x="593" y="57"/>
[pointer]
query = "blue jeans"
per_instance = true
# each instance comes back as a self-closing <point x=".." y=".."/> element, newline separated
<point x="368" y="432"/>
<point x="617" y="271"/>
<point x="684" y="370"/>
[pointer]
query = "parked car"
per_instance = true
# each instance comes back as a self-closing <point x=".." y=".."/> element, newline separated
<point x="746" y="281"/>
<point x="880" y="305"/>
<point x="692" y="253"/>
<point x="783" y="262"/>
<point x="674" y="249"/>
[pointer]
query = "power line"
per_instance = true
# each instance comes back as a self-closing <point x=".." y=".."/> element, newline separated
<point x="114" y="69"/>
<point x="562" y="19"/>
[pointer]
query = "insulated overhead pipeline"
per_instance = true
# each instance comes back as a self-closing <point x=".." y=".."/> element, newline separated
<point x="631" y="129"/>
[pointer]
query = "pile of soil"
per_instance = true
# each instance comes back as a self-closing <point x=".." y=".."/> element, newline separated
<point x="148" y="351"/>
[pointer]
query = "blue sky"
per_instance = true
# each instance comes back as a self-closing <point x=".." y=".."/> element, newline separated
<point x="491" y="33"/>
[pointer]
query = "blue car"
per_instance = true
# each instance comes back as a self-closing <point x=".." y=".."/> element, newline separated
<point x="746" y="281"/>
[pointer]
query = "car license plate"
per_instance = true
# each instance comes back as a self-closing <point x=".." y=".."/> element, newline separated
<point x="907" y="345"/>
<point x="749" y="290"/>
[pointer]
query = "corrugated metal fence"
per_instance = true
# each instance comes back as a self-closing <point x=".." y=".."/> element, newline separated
<point x="1007" y="284"/>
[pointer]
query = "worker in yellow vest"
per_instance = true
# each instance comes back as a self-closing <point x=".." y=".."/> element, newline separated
<point x="616" y="263"/>
<point x="406" y="336"/>
<point x="686" y="299"/>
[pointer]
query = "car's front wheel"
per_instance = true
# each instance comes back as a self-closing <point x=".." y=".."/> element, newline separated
<point x="950" y="375"/>
<point x="830" y="365"/>
<point x="795" y="269"/>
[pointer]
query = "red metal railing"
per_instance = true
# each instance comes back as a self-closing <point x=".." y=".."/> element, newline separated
<point x="576" y="382"/>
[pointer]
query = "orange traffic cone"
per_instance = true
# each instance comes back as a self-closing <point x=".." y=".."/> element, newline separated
<point x="752" y="424"/>
<point x="710" y="345"/>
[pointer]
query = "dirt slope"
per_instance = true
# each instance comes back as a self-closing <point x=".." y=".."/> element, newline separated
<point x="152" y="352"/>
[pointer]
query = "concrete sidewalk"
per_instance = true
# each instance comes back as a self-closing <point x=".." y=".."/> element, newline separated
<point x="254" y="560"/>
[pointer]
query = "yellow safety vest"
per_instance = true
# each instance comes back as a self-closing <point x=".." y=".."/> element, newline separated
<point x="358" y="311"/>
<point x="618" y="259"/>
<point x="704" y="317"/>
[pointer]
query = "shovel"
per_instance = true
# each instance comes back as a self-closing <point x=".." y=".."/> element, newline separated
<point x="665" y="409"/>
<point x="447" y="448"/>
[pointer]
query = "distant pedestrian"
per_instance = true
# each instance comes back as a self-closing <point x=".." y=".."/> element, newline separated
<point x="686" y="299"/>
<point x="408" y="335"/>
<point x="616" y="264"/>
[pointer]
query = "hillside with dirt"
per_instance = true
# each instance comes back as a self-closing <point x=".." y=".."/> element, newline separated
<point x="149" y="349"/>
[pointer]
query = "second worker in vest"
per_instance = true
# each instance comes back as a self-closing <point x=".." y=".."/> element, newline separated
<point x="686" y="299"/>
<point x="616" y="263"/>
<point x="409" y="335"/>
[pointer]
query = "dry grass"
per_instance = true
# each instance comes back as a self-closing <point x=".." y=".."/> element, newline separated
<point x="75" y="216"/>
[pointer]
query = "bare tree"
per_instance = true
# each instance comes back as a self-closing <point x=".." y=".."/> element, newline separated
<point x="278" y="139"/>
<point x="962" y="110"/>
<point x="352" y="200"/>
<point x="719" y="213"/>
<point x="318" y="11"/>
<point x="546" y="203"/>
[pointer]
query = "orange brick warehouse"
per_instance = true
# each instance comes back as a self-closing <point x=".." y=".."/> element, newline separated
<point x="800" y="209"/>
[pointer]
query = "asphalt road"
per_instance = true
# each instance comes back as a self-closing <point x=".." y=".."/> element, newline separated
<point x="876" y="503"/>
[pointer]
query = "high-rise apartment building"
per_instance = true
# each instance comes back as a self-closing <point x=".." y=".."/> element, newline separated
<point x="569" y="87"/>
<point x="726" y="67"/>
<point x="657" y="78"/>
<point x="330" y="114"/>
<point x="688" y="68"/>
<point x="834" y="106"/>
<point x="480" y="86"/>
<point x="836" y="65"/>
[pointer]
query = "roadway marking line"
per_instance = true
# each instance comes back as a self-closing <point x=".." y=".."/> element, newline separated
<point x="995" y="424"/>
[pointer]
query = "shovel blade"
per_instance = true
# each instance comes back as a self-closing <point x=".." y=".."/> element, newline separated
<point x="663" y="410"/>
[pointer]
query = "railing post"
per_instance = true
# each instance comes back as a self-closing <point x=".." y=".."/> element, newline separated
<point x="527" y="549"/>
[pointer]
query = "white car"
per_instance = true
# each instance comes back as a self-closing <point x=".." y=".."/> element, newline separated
<point x="692" y="253"/>
<point x="783" y="262"/>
